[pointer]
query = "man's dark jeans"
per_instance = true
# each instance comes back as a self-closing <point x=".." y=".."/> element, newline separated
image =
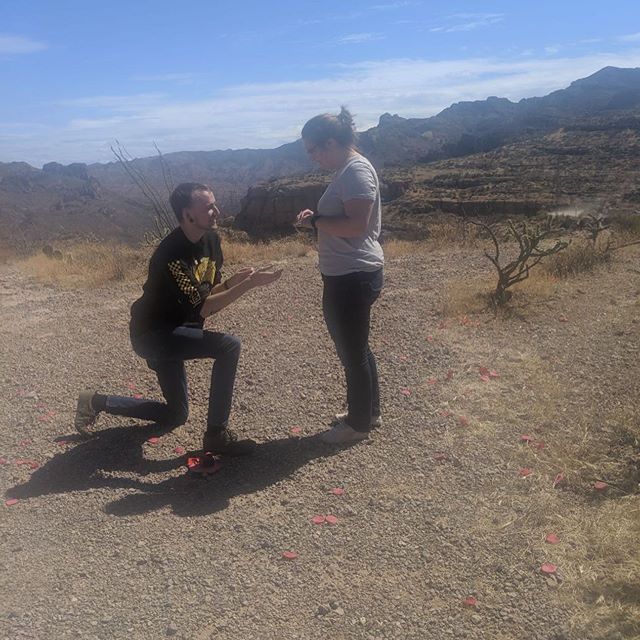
<point x="346" y="303"/>
<point x="165" y="353"/>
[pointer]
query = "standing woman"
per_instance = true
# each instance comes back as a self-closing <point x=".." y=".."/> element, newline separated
<point x="350" y="260"/>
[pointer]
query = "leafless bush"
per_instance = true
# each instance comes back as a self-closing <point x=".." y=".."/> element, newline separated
<point x="164" y="220"/>
<point x="529" y="238"/>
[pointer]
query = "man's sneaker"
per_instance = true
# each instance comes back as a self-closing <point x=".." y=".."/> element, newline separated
<point x="342" y="433"/>
<point x="226" y="443"/>
<point x="85" y="413"/>
<point x="376" y="421"/>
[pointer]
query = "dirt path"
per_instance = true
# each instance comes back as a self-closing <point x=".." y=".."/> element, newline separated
<point x="110" y="539"/>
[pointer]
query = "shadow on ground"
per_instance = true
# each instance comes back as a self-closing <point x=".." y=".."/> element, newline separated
<point x="97" y="463"/>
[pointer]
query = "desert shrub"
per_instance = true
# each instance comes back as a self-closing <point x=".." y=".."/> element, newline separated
<point x="581" y="256"/>
<point x="531" y="250"/>
<point x="628" y="225"/>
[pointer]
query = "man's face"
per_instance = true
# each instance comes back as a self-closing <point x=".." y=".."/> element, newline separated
<point x="203" y="212"/>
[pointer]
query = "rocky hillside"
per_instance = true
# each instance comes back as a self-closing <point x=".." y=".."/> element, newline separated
<point x="530" y="153"/>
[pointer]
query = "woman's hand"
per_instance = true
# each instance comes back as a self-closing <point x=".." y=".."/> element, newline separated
<point x="303" y="219"/>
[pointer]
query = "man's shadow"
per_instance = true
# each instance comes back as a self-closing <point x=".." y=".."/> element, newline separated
<point x="95" y="463"/>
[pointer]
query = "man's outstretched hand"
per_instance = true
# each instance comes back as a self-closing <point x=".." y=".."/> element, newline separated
<point x="239" y="276"/>
<point x="264" y="276"/>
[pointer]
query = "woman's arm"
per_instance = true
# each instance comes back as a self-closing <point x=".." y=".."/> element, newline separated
<point x="352" y="224"/>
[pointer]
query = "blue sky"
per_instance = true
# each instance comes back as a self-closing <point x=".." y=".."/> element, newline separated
<point x="198" y="75"/>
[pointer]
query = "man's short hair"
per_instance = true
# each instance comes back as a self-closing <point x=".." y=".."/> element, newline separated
<point x="180" y="199"/>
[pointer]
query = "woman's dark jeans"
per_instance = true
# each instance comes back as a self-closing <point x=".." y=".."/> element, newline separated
<point x="165" y="353"/>
<point x="346" y="303"/>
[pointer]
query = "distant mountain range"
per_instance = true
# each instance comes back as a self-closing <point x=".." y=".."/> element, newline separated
<point x="58" y="201"/>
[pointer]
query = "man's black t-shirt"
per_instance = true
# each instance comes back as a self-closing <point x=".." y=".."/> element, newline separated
<point x="181" y="275"/>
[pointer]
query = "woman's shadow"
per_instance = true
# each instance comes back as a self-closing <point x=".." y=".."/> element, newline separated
<point x="97" y="463"/>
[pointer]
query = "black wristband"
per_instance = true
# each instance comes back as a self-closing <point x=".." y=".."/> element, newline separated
<point x="313" y="220"/>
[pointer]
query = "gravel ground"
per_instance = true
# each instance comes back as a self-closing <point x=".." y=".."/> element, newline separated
<point x="111" y="539"/>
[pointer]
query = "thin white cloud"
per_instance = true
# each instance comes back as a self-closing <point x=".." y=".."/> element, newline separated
<point x="470" y="22"/>
<point x="12" y="45"/>
<point x="269" y="114"/>
<point x="359" y="38"/>
<point x="631" y="37"/>
<point x="116" y="103"/>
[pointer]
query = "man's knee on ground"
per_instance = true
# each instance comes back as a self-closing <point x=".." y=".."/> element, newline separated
<point x="232" y="344"/>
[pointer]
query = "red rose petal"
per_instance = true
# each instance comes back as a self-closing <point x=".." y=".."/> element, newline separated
<point x="552" y="538"/>
<point x="319" y="519"/>
<point x="4" y="461"/>
<point x="563" y="318"/>
<point x="337" y="491"/>
<point x="180" y="450"/>
<point x="296" y="430"/>
<point x="470" y="602"/>
<point x="61" y="443"/>
<point x="526" y="438"/>
<point x="34" y="465"/>
<point x="494" y="374"/>
<point x="483" y="371"/>
<point x="206" y="464"/>
<point x="559" y="479"/>
<point x="449" y="374"/>
<point x="131" y="386"/>
<point x="138" y="396"/>
<point x="548" y="568"/>
<point x="25" y="442"/>
<point x="440" y="455"/>
<point x="446" y="413"/>
<point x="403" y="358"/>
<point x="289" y="555"/>
<point x="153" y="440"/>
<point x="463" y="421"/>
<point x="484" y="378"/>
<point x="11" y="501"/>
<point x="430" y="338"/>
<point x="331" y="519"/>
<point x="540" y="445"/>
<point x="406" y="392"/>
<point x="432" y="381"/>
<point x="600" y="486"/>
<point x="524" y="472"/>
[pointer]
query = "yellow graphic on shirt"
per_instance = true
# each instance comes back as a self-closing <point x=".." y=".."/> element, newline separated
<point x="204" y="272"/>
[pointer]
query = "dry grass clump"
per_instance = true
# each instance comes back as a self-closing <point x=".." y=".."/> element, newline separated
<point x="598" y="528"/>
<point x="581" y="256"/>
<point x="461" y="297"/>
<point x="452" y="231"/>
<point x="253" y="253"/>
<point x="87" y="264"/>
<point x="399" y="248"/>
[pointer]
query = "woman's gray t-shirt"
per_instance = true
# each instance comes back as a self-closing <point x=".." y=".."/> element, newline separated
<point x="339" y="256"/>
